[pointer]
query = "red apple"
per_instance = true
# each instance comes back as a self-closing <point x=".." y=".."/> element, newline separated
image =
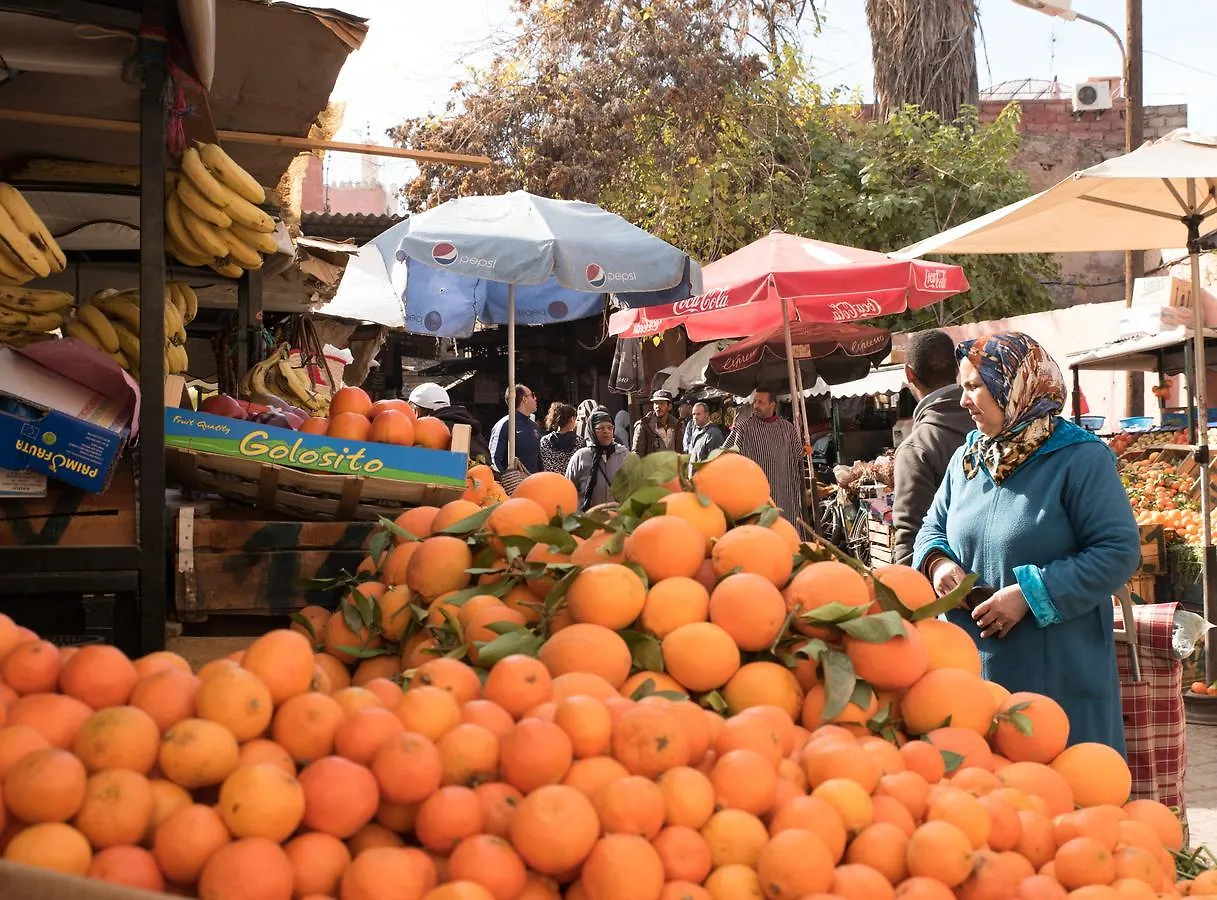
<point x="222" y="405"/>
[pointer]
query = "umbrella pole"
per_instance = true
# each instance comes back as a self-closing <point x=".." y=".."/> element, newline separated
<point x="811" y="464"/>
<point x="511" y="375"/>
<point x="793" y="377"/>
<point x="1200" y="376"/>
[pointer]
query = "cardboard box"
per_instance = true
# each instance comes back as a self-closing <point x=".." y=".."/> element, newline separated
<point x="21" y="484"/>
<point x="191" y="430"/>
<point x="28" y="883"/>
<point x="66" y="411"/>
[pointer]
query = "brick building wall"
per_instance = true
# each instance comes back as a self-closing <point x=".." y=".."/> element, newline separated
<point x="369" y="197"/>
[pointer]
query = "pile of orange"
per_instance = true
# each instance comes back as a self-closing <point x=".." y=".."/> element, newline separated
<point x="354" y="417"/>
<point x="668" y="725"/>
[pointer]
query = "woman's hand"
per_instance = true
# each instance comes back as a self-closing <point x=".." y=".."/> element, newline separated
<point x="1001" y="612"/>
<point x="946" y="575"/>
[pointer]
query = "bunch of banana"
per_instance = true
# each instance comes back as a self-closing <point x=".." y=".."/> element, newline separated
<point x="28" y="316"/>
<point x="212" y="216"/>
<point x="27" y="249"/>
<point x="109" y="321"/>
<point x="275" y="378"/>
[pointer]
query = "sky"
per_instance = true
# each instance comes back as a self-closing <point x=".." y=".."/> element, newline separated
<point x="416" y="50"/>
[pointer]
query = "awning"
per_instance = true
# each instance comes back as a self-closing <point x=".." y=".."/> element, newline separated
<point x="1138" y="354"/>
<point x="888" y="380"/>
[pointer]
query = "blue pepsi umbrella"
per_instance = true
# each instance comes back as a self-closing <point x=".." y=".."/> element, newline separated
<point x="518" y="257"/>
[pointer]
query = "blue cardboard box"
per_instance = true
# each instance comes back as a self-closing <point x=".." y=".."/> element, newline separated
<point x="64" y="413"/>
<point x="192" y="430"/>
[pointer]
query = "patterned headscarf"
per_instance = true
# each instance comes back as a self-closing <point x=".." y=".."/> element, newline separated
<point x="1027" y="384"/>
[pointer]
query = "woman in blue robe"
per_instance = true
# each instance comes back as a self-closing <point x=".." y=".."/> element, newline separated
<point x="1034" y="506"/>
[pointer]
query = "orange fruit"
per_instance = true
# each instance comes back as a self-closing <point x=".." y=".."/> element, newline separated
<point x="608" y="594"/>
<point x="970" y="748"/>
<point x="283" y="660"/>
<point x="587" y="723"/>
<point x="554" y="493"/>
<point x="763" y="684"/>
<point x="261" y="801"/>
<point x="491" y="862"/>
<point x="587" y="648"/>
<point x="248" y="869"/>
<point x="185" y="841"/>
<point x="939" y="850"/>
<point x="51" y="845"/>
<point x="1160" y="818"/>
<point x="534" y="753"/>
<point x="340" y="796"/>
<point x="894" y="664"/>
<point x="821" y="583"/>
<point x="698" y="511"/>
<point x="305" y="726"/>
<point x="1042" y="717"/>
<point x="58" y="718"/>
<point x="912" y="588"/>
<point x="622" y="865"/>
<point x="554" y="829"/>
<point x="1097" y="774"/>
<point x="410" y="871"/>
<point x="883" y="847"/>
<point x="117" y="808"/>
<point x="749" y="608"/>
<point x="429" y="711"/>
<point x="963" y="811"/>
<point x="754" y="550"/>
<point x="512" y="518"/>
<point x="858" y="882"/>
<point x="943" y="694"/>
<point x="121" y="737"/>
<point x="469" y="754"/>
<point x="649" y="740"/>
<point x="674" y="602"/>
<point x="701" y="656"/>
<point x="432" y="433"/>
<point x="688" y="797"/>
<point x="684" y="853"/>
<point x="734" y="483"/>
<point x="744" y="779"/>
<point x="318" y="861"/>
<point x="31" y="667"/>
<point x="238" y="700"/>
<point x="666" y="547"/>
<point x="132" y="867"/>
<point x="45" y="785"/>
<point x="794" y="863"/>
<point x="816" y="815"/>
<point x="823" y="760"/>
<point x="949" y="646"/>
<point x="1041" y="781"/>
<point x="167" y="696"/>
<point x="407" y="768"/>
<point x="99" y="675"/>
<point x="1083" y="861"/>
<point x="630" y="805"/>
<point x="438" y="566"/>
<point x="851" y="801"/>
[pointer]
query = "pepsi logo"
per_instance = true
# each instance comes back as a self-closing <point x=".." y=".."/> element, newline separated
<point x="444" y="253"/>
<point x="557" y="310"/>
<point x="595" y="276"/>
<point x="433" y="321"/>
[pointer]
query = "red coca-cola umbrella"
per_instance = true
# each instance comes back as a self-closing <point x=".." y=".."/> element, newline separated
<point x="784" y="277"/>
<point x="835" y="353"/>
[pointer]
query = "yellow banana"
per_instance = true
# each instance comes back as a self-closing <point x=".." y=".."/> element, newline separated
<point x="202" y="179"/>
<point x="227" y="269"/>
<point x="128" y="342"/>
<point x="175" y="330"/>
<point x="20" y="249"/>
<point x="187" y="249"/>
<point x="249" y="216"/>
<point x="232" y="175"/>
<point x="31" y="224"/>
<point x="193" y="200"/>
<point x="11" y="271"/>
<point x="173" y="296"/>
<point x="204" y="234"/>
<point x="23" y="338"/>
<point x="25" y="321"/>
<point x="191" y="299"/>
<point x="95" y="321"/>
<point x="121" y="311"/>
<point x="239" y="252"/>
<point x="28" y="300"/>
<point x="178" y="360"/>
<point x="294" y="381"/>
<point x="74" y="328"/>
<point x="121" y="359"/>
<point x="261" y="241"/>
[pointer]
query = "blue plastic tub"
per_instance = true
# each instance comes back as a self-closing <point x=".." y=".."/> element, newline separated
<point x="1137" y="423"/>
<point x="1093" y="423"/>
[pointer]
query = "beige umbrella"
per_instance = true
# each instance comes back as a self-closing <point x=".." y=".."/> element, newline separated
<point x="1160" y="195"/>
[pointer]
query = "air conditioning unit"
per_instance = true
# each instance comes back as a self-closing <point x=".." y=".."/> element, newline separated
<point x="1091" y="96"/>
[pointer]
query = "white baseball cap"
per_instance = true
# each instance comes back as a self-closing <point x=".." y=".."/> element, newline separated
<point x="429" y="395"/>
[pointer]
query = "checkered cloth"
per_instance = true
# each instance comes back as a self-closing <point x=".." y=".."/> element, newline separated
<point x="1155" y="729"/>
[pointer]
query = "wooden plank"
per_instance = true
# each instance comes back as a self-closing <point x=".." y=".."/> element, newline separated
<point x="254" y="537"/>
<point x="68" y="516"/>
<point x="31" y="117"/>
<point x="266" y="583"/>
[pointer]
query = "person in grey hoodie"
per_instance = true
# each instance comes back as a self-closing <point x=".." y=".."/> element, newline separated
<point x="593" y="468"/>
<point x="940" y="424"/>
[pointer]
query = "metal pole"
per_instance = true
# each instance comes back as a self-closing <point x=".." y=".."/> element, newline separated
<point x="1200" y="374"/>
<point x="811" y="465"/>
<point x="792" y="373"/>
<point x="1134" y="120"/>
<point x="511" y="375"/>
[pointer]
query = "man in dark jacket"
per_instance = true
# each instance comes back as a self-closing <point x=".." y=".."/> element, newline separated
<point x="429" y="399"/>
<point x="528" y="435"/>
<point x="658" y="430"/>
<point x="939" y="427"/>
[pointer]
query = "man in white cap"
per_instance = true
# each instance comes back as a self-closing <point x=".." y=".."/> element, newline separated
<point x="658" y="430"/>
<point x="429" y="399"/>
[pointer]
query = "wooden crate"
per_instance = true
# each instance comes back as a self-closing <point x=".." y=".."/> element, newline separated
<point x="70" y="517"/>
<point x="1153" y="550"/>
<point x="882" y="542"/>
<point x="226" y="566"/>
<point x="1143" y="587"/>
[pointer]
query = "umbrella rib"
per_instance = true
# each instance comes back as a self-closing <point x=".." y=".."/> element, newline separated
<point x="1137" y="209"/>
<point x="1183" y="204"/>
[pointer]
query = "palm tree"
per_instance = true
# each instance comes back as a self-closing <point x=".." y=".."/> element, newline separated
<point x="924" y="53"/>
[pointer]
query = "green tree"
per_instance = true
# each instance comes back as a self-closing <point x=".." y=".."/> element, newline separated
<point x="653" y="109"/>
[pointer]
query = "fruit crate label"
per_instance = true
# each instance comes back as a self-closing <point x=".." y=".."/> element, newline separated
<point x="312" y="452"/>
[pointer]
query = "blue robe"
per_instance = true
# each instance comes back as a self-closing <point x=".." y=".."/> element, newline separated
<point x="1061" y="527"/>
